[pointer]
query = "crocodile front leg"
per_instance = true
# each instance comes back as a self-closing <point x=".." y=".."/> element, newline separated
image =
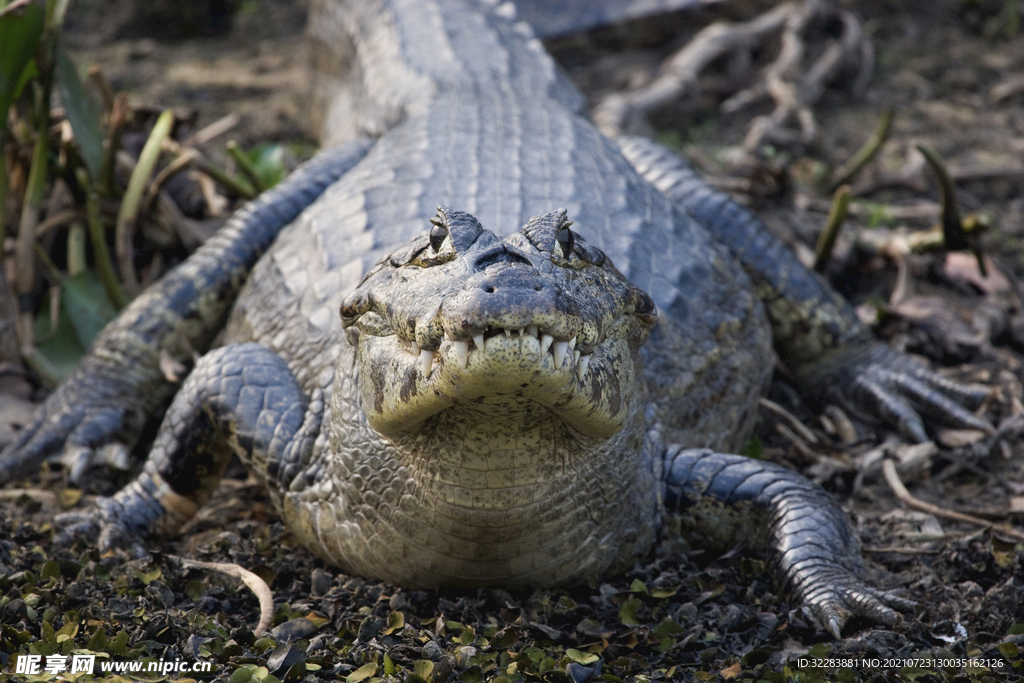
<point x="119" y="383"/>
<point x="814" y="330"/>
<point x="239" y="399"/>
<point x="724" y="500"/>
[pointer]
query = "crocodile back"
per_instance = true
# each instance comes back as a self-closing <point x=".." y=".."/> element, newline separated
<point x="471" y="113"/>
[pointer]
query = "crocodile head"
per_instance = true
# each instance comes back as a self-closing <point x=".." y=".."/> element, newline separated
<point x="462" y="317"/>
<point x="490" y="426"/>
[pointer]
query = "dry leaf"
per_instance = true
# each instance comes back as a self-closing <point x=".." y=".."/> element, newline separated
<point x="963" y="266"/>
<point x="954" y="438"/>
<point x="731" y="671"/>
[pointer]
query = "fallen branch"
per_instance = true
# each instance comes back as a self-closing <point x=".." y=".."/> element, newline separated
<point x="252" y="581"/>
<point x="893" y="479"/>
<point x="793" y="86"/>
<point x="800" y="428"/>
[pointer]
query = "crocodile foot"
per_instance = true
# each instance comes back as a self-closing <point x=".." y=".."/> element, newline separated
<point x="903" y="392"/>
<point x="106" y="522"/>
<point x="144" y="508"/>
<point x="85" y="422"/>
<point x="832" y="594"/>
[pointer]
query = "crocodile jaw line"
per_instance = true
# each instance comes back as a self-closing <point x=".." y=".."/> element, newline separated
<point x="533" y="343"/>
<point x="410" y="383"/>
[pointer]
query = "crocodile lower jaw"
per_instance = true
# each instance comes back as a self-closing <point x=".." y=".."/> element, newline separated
<point x="403" y="385"/>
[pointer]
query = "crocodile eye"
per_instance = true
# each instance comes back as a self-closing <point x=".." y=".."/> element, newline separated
<point x="563" y="240"/>
<point x="438" y="233"/>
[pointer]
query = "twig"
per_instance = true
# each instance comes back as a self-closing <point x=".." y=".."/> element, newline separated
<point x="118" y="117"/>
<point x="836" y="217"/>
<point x="679" y="75"/>
<point x="801" y="429"/>
<point x="893" y="479"/>
<point x="103" y="85"/>
<point x="901" y="550"/>
<point x="218" y="127"/>
<point x="153" y="189"/>
<point x="236" y="185"/>
<point x="257" y="585"/>
<point x="57" y="220"/>
<point x="952" y="226"/>
<point x="848" y="171"/>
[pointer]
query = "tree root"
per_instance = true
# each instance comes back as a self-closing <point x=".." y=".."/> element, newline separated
<point x="794" y="81"/>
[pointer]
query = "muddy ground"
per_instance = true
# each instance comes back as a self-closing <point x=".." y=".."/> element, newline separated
<point x="953" y="72"/>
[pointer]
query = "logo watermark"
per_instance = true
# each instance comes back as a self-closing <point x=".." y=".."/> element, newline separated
<point x="34" y="665"/>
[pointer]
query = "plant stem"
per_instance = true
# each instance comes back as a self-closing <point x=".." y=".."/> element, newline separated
<point x="836" y="216"/>
<point x="104" y="265"/>
<point x="246" y="166"/>
<point x="129" y="212"/>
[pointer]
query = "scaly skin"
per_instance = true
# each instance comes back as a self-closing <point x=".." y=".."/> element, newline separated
<point x="393" y="444"/>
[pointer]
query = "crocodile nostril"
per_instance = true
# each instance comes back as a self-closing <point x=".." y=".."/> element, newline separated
<point x="489" y="289"/>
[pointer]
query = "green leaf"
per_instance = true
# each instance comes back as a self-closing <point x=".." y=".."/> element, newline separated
<point x="50" y="570"/>
<point x="20" y="32"/>
<point x="396" y="622"/>
<point x="1009" y="650"/>
<point x="98" y="640"/>
<point x="240" y="675"/>
<point x="628" y="612"/>
<point x="152" y="575"/>
<point x="82" y="113"/>
<point x="581" y="657"/>
<point x="268" y="163"/>
<point x="668" y="628"/>
<point x="423" y="668"/>
<point x="87" y="305"/>
<point x="362" y="673"/>
<point x="57" y="352"/>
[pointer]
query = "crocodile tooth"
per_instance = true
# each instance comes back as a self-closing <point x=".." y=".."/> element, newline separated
<point x="581" y="367"/>
<point x="572" y="343"/>
<point x="529" y="345"/>
<point x="545" y="343"/>
<point x="478" y="339"/>
<point x="560" y="349"/>
<point x="576" y="356"/>
<point x="508" y="333"/>
<point x="461" y="352"/>
<point x="533" y="331"/>
<point x="426" y="360"/>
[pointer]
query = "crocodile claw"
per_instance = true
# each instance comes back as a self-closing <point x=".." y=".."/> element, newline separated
<point x="900" y="390"/>
<point x="92" y="418"/>
<point x="105" y="522"/>
<point x="122" y="521"/>
<point x="834" y="595"/>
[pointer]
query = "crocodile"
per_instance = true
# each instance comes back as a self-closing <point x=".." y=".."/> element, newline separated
<point x="473" y="342"/>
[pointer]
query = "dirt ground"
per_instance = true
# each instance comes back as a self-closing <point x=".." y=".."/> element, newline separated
<point x="953" y="71"/>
